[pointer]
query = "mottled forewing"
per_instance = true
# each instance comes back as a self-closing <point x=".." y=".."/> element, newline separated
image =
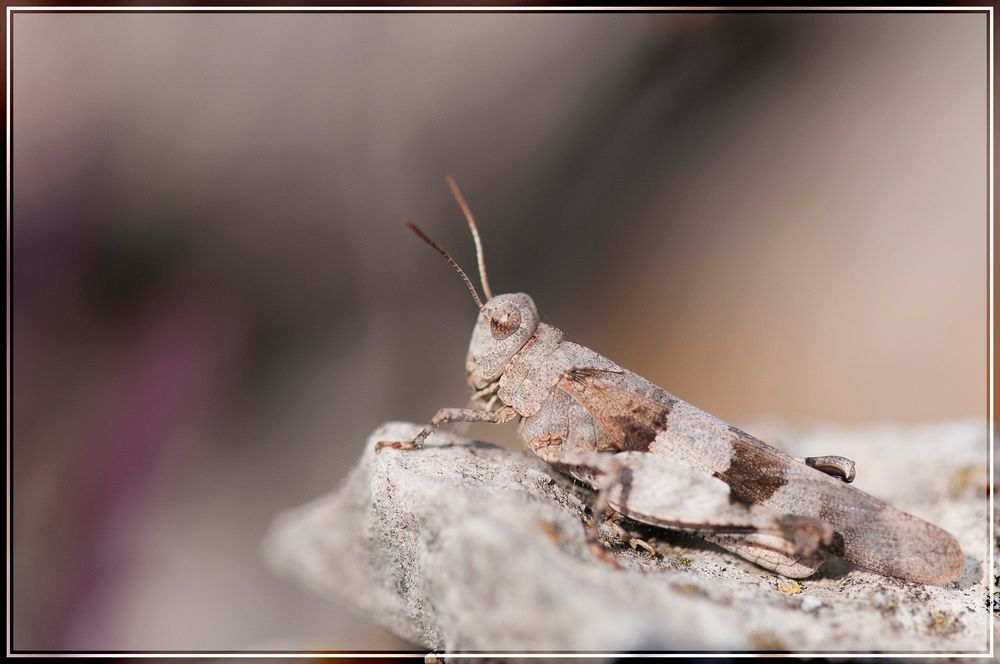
<point x="867" y="531"/>
<point x="638" y="416"/>
<point x="632" y="414"/>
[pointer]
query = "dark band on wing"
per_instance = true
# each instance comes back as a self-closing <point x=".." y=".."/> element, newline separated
<point x="631" y="420"/>
<point x="638" y="433"/>
<point x="754" y="472"/>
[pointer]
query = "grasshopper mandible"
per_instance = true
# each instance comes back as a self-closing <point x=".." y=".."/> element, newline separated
<point x="658" y="460"/>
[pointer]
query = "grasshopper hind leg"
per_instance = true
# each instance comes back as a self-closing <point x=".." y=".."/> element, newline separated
<point x="769" y="554"/>
<point x="836" y="466"/>
<point x="663" y="492"/>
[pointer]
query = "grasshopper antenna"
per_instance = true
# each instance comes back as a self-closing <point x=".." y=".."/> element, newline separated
<point x="456" y="192"/>
<point x="437" y="247"/>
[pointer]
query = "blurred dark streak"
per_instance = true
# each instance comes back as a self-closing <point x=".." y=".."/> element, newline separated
<point x="640" y="126"/>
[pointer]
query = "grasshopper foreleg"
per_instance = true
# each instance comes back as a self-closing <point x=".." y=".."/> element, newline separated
<point x="448" y="416"/>
<point x="488" y="391"/>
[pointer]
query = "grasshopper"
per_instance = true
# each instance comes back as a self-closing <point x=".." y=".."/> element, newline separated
<point x="658" y="460"/>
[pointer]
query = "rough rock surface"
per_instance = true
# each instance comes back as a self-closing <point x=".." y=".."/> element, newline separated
<point x="468" y="546"/>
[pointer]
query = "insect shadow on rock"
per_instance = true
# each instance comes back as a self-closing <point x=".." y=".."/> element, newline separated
<point x="658" y="460"/>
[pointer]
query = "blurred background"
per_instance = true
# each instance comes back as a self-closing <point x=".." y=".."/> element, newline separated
<point x="770" y="215"/>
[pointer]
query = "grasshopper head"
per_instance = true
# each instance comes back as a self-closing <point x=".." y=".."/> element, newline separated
<point x="505" y="324"/>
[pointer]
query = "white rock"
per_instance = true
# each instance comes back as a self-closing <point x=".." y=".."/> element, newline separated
<point x="467" y="546"/>
<point x="811" y="603"/>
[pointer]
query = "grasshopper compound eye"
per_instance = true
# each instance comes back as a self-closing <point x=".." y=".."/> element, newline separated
<point x="504" y="320"/>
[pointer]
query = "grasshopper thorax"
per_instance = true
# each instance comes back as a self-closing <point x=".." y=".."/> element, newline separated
<point x="505" y="323"/>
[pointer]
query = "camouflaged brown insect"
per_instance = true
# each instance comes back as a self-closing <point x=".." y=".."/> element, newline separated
<point x="659" y="460"/>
